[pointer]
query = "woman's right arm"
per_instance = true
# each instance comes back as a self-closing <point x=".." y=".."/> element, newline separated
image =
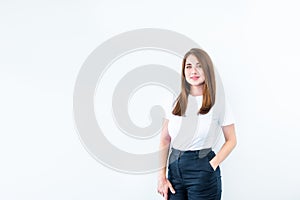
<point x="163" y="183"/>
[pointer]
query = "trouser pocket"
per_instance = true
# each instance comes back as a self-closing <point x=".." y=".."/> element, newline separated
<point x="205" y="159"/>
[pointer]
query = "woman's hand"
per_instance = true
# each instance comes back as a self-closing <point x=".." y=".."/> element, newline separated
<point x="163" y="187"/>
<point x="230" y="143"/>
<point x="213" y="165"/>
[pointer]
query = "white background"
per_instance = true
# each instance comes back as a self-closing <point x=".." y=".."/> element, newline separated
<point x="254" y="44"/>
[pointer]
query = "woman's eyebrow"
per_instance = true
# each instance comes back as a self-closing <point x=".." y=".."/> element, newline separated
<point x="191" y="64"/>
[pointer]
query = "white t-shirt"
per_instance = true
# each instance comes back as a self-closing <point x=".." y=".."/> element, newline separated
<point x="195" y="132"/>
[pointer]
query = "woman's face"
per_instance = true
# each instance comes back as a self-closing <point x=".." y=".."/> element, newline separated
<point x="194" y="73"/>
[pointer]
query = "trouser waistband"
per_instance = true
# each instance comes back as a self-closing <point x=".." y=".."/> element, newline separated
<point x="201" y="153"/>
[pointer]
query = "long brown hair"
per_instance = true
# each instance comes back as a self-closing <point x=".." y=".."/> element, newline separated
<point x="209" y="90"/>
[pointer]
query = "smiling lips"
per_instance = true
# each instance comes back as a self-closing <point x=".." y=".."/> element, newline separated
<point x="194" y="77"/>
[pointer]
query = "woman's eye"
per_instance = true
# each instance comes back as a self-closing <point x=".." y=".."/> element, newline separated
<point x="188" y="66"/>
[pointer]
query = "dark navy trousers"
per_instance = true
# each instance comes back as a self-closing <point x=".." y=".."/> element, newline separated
<point x="192" y="176"/>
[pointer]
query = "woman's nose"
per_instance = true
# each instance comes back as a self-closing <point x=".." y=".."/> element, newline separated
<point x="194" y="70"/>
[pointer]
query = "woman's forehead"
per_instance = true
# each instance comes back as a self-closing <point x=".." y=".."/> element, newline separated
<point x="192" y="59"/>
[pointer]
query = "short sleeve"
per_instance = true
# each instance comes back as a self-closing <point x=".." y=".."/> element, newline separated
<point x="167" y="104"/>
<point x="228" y="115"/>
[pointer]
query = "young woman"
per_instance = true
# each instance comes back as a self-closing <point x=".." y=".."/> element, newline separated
<point x="190" y="128"/>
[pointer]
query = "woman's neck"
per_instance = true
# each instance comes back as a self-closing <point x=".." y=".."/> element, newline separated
<point x="196" y="90"/>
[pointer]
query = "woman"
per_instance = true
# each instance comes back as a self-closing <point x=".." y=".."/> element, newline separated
<point x="190" y="128"/>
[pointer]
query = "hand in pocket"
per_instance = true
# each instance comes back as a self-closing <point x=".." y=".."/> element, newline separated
<point x="212" y="165"/>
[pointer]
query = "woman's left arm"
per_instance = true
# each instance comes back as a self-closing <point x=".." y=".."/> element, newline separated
<point x="228" y="146"/>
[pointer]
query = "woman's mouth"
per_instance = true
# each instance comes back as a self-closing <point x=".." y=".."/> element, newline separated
<point x="194" y="77"/>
